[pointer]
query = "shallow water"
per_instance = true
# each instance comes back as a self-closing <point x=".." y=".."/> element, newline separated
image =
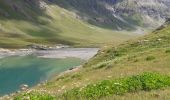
<point x="31" y="70"/>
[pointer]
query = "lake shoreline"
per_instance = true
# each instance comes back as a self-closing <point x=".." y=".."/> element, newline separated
<point x="59" y="53"/>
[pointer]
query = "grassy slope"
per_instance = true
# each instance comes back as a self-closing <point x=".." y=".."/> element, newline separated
<point x="147" y="54"/>
<point x="51" y="26"/>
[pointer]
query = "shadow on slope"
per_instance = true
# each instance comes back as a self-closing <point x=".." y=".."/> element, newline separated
<point x="94" y="12"/>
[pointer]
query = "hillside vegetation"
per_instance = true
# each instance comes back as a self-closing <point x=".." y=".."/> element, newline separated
<point x="25" y="22"/>
<point x="77" y="22"/>
<point x="137" y="69"/>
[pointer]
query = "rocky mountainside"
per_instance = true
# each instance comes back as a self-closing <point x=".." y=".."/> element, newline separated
<point x="120" y="14"/>
<point x="152" y="12"/>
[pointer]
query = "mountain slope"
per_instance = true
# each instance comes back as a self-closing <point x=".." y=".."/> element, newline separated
<point x="123" y="63"/>
<point x="77" y="22"/>
<point x="120" y="14"/>
<point x="150" y="53"/>
<point x="33" y="21"/>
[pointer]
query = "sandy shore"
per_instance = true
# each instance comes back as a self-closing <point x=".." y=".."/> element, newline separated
<point x="15" y="52"/>
<point x="83" y="53"/>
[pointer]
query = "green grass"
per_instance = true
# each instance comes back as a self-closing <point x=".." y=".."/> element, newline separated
<point x="154" y="41"/>
<point x="167" y="51"/>
<point x="52" y="26"/>
<point x="149" y="58"/>
<point x="35" y="96"/>
<point x="123" y="64"/>
<point x="145" y="82"/>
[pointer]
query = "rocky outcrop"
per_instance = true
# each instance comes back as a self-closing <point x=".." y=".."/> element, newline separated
<point x="151" y="11"/>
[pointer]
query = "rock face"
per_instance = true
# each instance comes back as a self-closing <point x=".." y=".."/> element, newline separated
<point x="152" y="12"/>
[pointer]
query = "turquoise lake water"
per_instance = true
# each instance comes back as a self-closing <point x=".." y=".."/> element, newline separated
<point x="30" y="70"/>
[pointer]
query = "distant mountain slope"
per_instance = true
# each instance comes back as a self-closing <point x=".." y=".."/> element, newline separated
<point x="120" y="14"/>
<point x="77" y="22"/>
<point x="24" y="22"/>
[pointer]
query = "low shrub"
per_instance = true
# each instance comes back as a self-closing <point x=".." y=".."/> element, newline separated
<point x="145" y="82"/>
<point x="101" y="65"/>
<point x="149" y="58"/>
<point x="110" y="65"/>
<point x="34" y="96"/>
<point x="74" y="76"/>
<point x="167" y="51"/>
<point x="136" y="60"/>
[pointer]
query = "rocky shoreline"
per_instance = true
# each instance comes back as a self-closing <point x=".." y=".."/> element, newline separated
<point x="83" y="53"/>
<point x="15" y="52"/>
<point x="27" y="51"/>
<point x="60" y="53"/>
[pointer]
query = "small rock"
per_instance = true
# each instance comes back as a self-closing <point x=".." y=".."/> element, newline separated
<point x="63" y="87"/>
<point x="71" y="68"/>
<point x="159" y="39"/>
<point x="109" y="76"/>
<point x="24" y="87"/>
<point x="146" y="40"/>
